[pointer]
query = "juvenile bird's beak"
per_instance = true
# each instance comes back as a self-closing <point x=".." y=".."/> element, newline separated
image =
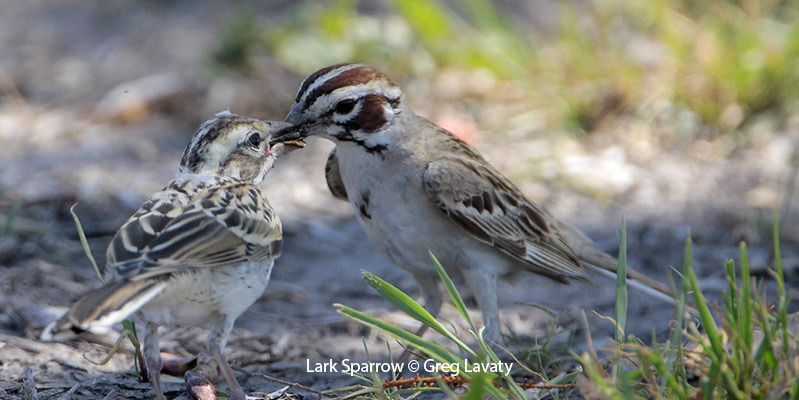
<point x="289" y="135"/>
<point x="293" y="135"/>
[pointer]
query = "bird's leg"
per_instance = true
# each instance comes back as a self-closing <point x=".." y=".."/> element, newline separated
<point x="483" y="284"/>
<point x="432" y="303"/>
<point x="217" y="340"/>
<point x="152" y="358"/>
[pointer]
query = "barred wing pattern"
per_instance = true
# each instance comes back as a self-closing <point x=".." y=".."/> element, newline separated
<point x="195" y="224"/>
<point x="491" y="209"/>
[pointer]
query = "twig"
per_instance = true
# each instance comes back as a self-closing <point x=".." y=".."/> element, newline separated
<point x="69" y="393"/>
<point x="294" y="385"/>
<point x="543" y="386"/>
<point x="85" y="243"/>
<point x="29" y="386"/>
<point x="112" y="394"/>
<point x="457" y="380"/>
<point x="588" y="339"/>
<point x="114" y="349"/>
<point x="427" y="381"/>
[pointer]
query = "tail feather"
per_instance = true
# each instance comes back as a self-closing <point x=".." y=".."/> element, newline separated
<point x="645" y="285"/>
<point x="607" y="265"/>
<point x="103" y="307"/>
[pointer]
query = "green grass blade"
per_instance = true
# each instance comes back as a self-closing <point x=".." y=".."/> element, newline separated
<point x="795" y="390"/>
<point x="764" y="355"/>
<point x="782" y="309"/>
<point x="742" y="354"/>
<point x="676" y="346"/>
<point x="705" y="316"/>
<point x="477" y="388"/>
<point x="359" y="394"/>
<point x="621" y="295"/>
<point x="85" y="243"/>
<point x="593" y="370"/>
<point x="731" y="297"/>
<point x="410" y="307"/>
<point x="457" y="300"/>
<point x="665" y="373"/>
<point x="621" y="285"/>
<point x="431" y="349"/>
<point x="745" y="327"/>
<point x="129" y="329"/>
<point x="495" y="393"/>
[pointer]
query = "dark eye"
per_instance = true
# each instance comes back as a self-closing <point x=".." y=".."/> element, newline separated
<point x="254" y="140"/>
<point x="345" y="106"/>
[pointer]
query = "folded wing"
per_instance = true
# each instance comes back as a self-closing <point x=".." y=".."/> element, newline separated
<point x="490" y="208"/>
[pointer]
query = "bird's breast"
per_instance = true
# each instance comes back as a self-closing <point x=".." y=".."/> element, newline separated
<point x="198" y="296"/>
<point x="389" y="201"/>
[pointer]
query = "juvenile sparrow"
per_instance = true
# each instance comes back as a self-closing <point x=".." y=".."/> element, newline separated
<point x="415" y="188"/>
<point x="197" y="253"/>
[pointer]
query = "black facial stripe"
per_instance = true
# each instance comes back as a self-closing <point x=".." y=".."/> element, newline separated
<point x="378" y="148"/>
<point x="395" y="102"/>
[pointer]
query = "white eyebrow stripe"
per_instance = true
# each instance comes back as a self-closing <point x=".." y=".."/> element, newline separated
<point x="375" y="86"/>
<point x="324" y="78"/>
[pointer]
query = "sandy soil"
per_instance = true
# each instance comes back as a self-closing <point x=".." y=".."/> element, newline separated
<point x="72" y="130"/>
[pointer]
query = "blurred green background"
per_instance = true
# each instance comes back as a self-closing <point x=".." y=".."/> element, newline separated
<point x="722" y="65"/>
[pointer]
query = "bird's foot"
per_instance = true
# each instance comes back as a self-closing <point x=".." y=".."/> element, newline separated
<point x="201" y="378"/>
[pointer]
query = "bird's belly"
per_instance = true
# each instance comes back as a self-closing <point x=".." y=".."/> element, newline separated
<point x="203" y="295"/>
<point x="406" y="226"/>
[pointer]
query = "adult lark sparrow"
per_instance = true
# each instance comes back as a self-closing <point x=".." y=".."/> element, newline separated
<point x="415" y="188"/>
<point x="197" y="253"/>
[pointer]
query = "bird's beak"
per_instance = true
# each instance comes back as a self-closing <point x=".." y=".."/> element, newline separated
<point x="287" y="136"/>
<point x="297" y="132"/>
<point x="293" y="135"/>
<point x="294" y="116"/>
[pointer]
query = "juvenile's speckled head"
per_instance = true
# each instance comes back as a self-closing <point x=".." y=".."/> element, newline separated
<point x="232" y="145"/>
<point x="346" y="102"/>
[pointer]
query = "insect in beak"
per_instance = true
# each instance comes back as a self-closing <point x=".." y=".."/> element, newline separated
<point x="291" y="136"/>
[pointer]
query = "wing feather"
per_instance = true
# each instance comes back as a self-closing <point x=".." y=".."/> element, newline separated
<point x="493" y="210"/>
<point x="191" y="225"/>
<point x="333" y="177"/>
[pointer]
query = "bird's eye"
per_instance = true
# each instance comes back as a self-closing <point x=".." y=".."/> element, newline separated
<point x="345" y="106"/>
<point x="254" y="140"/>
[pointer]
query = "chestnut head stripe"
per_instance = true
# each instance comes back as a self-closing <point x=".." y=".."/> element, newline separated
<point x="358" y="75"/>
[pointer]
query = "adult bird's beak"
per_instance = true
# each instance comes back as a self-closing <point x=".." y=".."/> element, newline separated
<point x="294" y="116"/>
<point x="293" y="135"/>
<point x="273" y="149"/>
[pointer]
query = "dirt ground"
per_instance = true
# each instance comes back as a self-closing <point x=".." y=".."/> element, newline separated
<point x="97" y="102"/>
